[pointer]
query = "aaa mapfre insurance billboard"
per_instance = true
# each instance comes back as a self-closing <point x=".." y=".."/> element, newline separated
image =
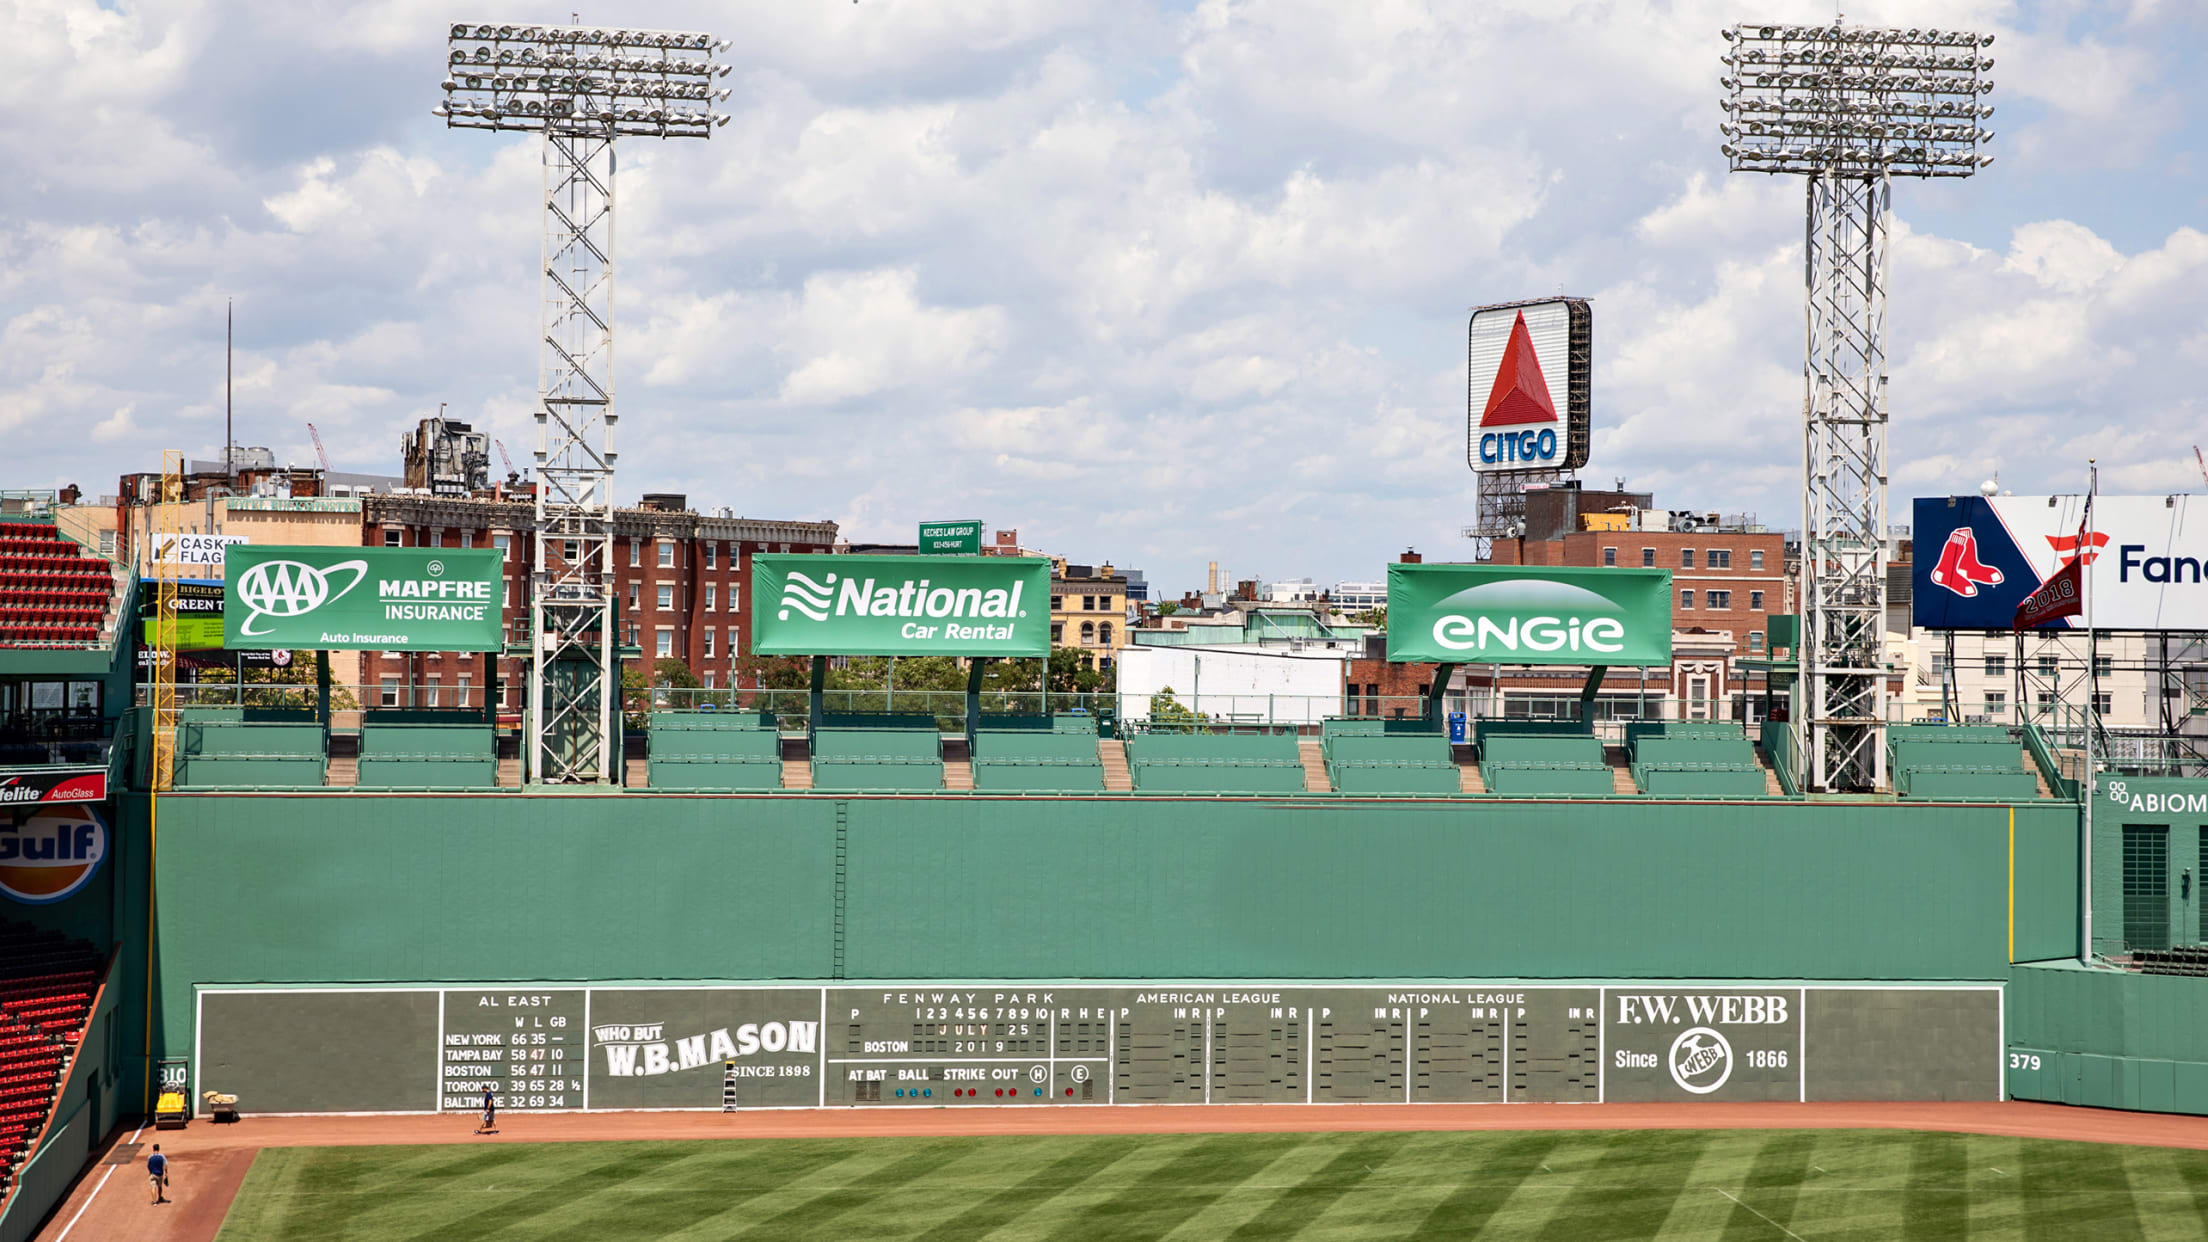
<point x="1529" y="380"/>
<point x="1978" y="558"/>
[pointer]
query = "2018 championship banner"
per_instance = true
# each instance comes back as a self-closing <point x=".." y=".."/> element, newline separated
<point x="1515" y="614"/>
<point x="352" y="599"/>
<point x="2145" y="560"/>
<point x="900" y="605"/>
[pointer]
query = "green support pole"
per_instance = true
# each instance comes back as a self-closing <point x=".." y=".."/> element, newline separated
<point x="1434" y="693"/>
<point x="1587" y="695"/>
<point x="973" y="697"/>
<point x="322" y="689"/>
<point x="820" y="691"/>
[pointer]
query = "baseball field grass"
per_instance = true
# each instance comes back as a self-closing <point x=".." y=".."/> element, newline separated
<point x="1579" y="1185"/>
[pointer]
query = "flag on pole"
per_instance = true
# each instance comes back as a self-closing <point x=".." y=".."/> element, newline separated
<point x="2062" y="595"/>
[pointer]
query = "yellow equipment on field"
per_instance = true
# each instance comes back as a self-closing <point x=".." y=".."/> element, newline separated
<point x="169" y="1112"/>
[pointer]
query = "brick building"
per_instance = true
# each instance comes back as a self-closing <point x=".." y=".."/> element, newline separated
<point x="681" y="580"/>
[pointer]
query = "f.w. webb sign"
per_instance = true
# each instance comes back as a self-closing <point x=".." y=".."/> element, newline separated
<point x="393" y="599"/>
<point x="900" y="605"/>
<point x="1515" y="614"/>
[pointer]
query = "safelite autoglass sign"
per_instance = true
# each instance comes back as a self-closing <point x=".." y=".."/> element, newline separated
<point x="391" y="599"/>
<point x="900" y="605"/>
<point x="1511" y="614"/>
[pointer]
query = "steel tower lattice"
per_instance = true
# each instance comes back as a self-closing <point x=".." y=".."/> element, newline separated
<point x="1849" y="109"/>
<point x="580" y="88"/>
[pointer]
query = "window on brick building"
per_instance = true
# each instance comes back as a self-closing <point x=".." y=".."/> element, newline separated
<point x="571" y="550"/>
<point x="1755" y="601"/>
<point x="1686" y="558"/>
<point x="633" y="589"/>
<point x="1721" y="558"/>
<point x="710" y="593"/>
<point x="1720" y="599"/>
<point x="505" y="546"/>
<point x="434" y="686"/>
<point x="666" y="597"/>
<point x="391" y="537"/>
<point x="466" y="684"/>
<point x="709" y="644"/>
<point x="666" y="554"/>
<point x="1686" y="600"/>
<point x="735" y="597"/>
<point x="636" y="551"/>
<point x="708" y="681"/>
<point x="1609" y="556"/>
<point x="665" y="644"/>
<point x="712" y="553"/>
<point x="1755" y="640"/>
<point x="1755" y="558"/>
<point x="735" y="643"/>
<point x="390" y="691"/>
<point x="1648" y="558"/>
<point x="467" y="538"/>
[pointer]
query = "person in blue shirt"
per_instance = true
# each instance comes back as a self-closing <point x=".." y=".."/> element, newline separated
<point x="157" y="1173"/>
<point x="490" y="1112"/>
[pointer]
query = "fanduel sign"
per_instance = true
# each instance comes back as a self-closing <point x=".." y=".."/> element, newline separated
<point x="900" y="605"/>
<point x="393" y="599"/>
<point x="1509" y="614"/>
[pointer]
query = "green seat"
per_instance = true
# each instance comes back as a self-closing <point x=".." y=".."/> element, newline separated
<point x="402" y="755"/>
<point x="1549" y="779"/>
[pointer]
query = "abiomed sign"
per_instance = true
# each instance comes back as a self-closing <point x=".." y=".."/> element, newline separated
<point x="900" y="605"/>
<point x="1512" y="614"/>
<point x="351" y="599"/>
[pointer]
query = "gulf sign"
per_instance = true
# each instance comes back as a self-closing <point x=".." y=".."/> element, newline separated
<point x="49" y="855"/>
<point x="1977" y="559"/>
<point x="1528" y="379"/>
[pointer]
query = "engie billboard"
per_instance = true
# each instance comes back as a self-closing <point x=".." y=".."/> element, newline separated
<point x="1978" y="558"/>
<point x="900" y="605"/>
<point x="354" y="599"/>
<point x="1514" y="614"/>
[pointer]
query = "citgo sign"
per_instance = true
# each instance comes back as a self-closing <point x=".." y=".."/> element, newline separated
<point x="50" y="855"/>
<point x="1513" y="614"/>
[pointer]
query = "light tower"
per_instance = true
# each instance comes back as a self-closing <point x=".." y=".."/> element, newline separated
<point x="1849" y="108"/>
<point x="580" y="87"/>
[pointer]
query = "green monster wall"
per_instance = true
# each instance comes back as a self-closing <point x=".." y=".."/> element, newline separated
<point x="2108" y="1038"/>
<point x="364" y="888"/>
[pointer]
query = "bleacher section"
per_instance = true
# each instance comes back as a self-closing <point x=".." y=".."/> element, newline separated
<point x="1544" y="762"/>
<point x="1957" y="761"/>
<point x="877" y="751"/>
<point x="2184" y="959"/>
<point x="427" y="750"/>
<point x="46" y="987"/>
<point x="1037" y="754"/>
<point x="250" y="747"/>
<point x="1693" y="759"/>
<point x="1215" y="763"/>
<point x="1365" y="755"/>
<point x="713" y="750"/>
<point x="51" y="593"/>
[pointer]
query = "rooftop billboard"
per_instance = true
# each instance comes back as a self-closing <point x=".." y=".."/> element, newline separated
<point x="1529" y="375"/>
<point x="356" y="599"/>
<point x="996" y="606"/>
<point x="1515" y="614"/>
<point x="1979" y="559"/>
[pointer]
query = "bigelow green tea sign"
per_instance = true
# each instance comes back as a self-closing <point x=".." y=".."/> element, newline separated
<point x="900" y="605"/>
<point x="1513" y="614"/>
<point x="393" y="599"/>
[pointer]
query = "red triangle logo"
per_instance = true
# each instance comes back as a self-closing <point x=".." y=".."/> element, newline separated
<point x="1521" y="394"/>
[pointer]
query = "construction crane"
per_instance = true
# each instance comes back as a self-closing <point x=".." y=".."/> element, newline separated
<point x="320" y="453"/>
<point x="511" y="473"/>
<point x="2203" y="463"/>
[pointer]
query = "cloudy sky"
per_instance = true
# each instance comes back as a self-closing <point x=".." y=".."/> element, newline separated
<point x="1156" y="283"/>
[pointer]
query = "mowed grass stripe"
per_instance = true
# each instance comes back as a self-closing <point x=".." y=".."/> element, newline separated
<point x="1874" y="1185"/>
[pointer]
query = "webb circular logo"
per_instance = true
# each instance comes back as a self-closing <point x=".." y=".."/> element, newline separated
<point x="1701" y="1060"/>
<point x="51" y="855"/>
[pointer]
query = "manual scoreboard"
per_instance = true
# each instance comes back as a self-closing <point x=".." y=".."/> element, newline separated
<point x="578" y="1046"/>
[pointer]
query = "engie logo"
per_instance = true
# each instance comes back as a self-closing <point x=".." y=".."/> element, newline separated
<point x="1529" y="614"/>
<point x="1701" y="1060"/>
<point x="292" y="589"/>
<point x="51" y="855"/>
<point x="636" y="1051"/>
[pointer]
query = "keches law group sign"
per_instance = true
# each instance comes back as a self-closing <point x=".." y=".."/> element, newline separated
<point x="1512" y="614"/>
<point x="995" y="606"/>
<point x="392" y="599"/>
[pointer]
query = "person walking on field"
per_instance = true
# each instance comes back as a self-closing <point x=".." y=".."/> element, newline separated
<point x="490" y="1112"/>
<point x="157" y="1173"/>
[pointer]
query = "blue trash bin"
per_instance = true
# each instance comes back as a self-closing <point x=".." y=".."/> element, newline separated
<point x="1456" y="729"/>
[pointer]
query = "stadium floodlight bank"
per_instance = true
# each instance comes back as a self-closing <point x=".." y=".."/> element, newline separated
<point x="1849" y="108"/>
<point x="583" y="80"/>
<point x="581" y="87"/>
<point x="1856" y="101"/>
